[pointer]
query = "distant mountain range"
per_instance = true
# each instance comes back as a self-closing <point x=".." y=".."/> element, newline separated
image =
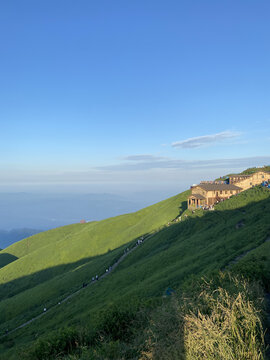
<point x="9" y="237"/>
<point x="47" y="211"/>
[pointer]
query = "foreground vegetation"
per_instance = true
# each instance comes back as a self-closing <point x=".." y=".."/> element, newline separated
<point x="102" y="322"/>
<point x="219" y="319"/>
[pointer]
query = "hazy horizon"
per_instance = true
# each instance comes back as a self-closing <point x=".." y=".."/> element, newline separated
<point x="48" y="206"/>
<point x="134" y="99"/>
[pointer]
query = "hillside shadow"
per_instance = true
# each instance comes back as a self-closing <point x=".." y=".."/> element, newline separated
<point x="14" y="287"/>
<point x="223" y="221"/>
<point x="226" y="219"/>
<point x="188" y="225"/>
<point x="6" y="259"/>
<point x="183" y="207"/>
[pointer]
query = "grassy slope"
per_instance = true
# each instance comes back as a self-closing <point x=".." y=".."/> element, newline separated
<point x="204" y="243"/>
<point x="72" y="243"/>
<point x="52" y="264"/>
<point x="255" y="169"/>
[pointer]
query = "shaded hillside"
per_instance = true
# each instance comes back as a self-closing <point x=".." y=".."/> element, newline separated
<point x="203" y="243"/>
<point x="52" y="264"/>
<point x="6" y="258"/>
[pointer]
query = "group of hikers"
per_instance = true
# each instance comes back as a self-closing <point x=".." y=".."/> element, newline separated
<point x="140" y="241"/>
<point x="109" y="269"/>
<point x="95" y="278"/>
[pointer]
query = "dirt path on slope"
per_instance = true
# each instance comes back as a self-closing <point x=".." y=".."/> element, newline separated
<point x="126" y="253"/>
<point x="239" y="257"/>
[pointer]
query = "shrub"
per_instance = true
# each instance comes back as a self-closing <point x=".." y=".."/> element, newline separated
<point x="118" y="321"/>
<point x="54" y="345"/>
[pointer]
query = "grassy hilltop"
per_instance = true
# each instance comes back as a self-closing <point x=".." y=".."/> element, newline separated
<point x="47" y="267"/>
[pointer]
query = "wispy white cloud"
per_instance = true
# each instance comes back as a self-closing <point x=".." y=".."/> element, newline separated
<point x="205" y="140"/>
<point x="144" y="157"/>
<point x="170" y="163"/>
<point x="153" y="168"/>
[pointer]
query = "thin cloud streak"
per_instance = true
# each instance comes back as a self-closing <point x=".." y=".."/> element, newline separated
<point x="133" y="171"/>
<point x="144" y="157"/>
<point x="205" y="140"/>
<point x="167" y="163"/>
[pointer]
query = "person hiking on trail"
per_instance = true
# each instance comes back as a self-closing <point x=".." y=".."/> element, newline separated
<point x="107" y="270"/>
<point x="44" y="309"/>
<point x="93" y="279"/>
<point x="96" y="277"/>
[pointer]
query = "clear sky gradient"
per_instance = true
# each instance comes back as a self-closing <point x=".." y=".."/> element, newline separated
<point x="132" y="95"/>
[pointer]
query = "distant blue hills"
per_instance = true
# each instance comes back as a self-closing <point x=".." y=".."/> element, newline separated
<point x="9" y="237"/>
<point x="22" y="213"/>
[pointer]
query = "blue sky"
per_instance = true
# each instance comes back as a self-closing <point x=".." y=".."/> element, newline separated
<point x="132" y="95"/>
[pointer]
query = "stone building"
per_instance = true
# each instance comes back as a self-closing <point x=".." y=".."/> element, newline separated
<point x="248" y="181"/>
<point x="207" y="194"/>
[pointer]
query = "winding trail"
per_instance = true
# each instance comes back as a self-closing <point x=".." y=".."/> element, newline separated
<point x="239" y="257"/>
<point x="126" y="253"/>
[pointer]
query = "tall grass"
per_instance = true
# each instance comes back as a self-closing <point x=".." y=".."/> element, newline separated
<point x="231" y="329"/>
<point x="213" y="324"/>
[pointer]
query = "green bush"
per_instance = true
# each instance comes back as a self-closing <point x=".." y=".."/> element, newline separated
<point x="55" y="345"/>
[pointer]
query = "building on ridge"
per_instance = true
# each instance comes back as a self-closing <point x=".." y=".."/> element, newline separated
<point x="208" y="193"/>
<point x="248" y="181"/>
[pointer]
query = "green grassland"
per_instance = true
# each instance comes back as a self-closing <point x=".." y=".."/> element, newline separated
<point x="201" y="244"/>
<point x="255" y="169"/>
<point x="48" y="266"/>
<point x="74" y="242"/>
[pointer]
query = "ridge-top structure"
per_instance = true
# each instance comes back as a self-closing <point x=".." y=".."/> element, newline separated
<point x="208" y="193"/>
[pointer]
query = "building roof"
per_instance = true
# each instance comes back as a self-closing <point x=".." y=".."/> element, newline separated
<point x="214" y="187"/>
<point x="197" y="196"/>
<point x="240" y="176"/>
